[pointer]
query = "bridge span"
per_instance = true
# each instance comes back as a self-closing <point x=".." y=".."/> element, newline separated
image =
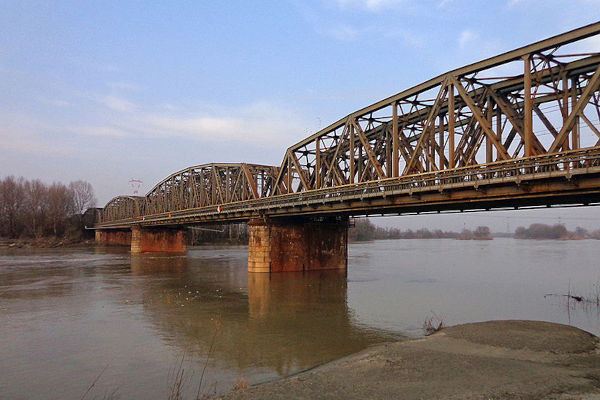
<point x="516" y="130"/>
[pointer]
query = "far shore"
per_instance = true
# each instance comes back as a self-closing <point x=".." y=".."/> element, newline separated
<point x="45" y="243"/>
<point x="54" y="242"/>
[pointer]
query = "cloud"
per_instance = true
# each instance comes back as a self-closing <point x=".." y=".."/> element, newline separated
<point x="258" y="123"/>
<point x="98" y="131"/>
<point x="118" y="104"/>
<point x="123" y="86"/>
<point x="25" y="135"/>
<point x="589" y="45"/>
<point x="346" y="33"/>
<point x="343" y="32"/>
<point x="55" y="102"/>
<point x="444" y="3"/>
<point x="466" y="38"/>
<point x="370" y="5"/>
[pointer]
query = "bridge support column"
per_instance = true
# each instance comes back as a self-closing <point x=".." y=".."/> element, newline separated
<point x="287" y="245"/>
<point x="157" y="240"/>
<point x="113" y="237"/>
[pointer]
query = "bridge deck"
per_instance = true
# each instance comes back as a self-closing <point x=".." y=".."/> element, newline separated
<point x="564" y="178"/>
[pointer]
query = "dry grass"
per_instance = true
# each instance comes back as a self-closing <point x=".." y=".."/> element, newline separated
<point x="241" y="383"/>
<point x="592" y="299"/>
<point x="432" y="324"/>
<point x="177" y="381"/>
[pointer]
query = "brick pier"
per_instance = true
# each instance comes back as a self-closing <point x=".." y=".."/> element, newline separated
<point x="297" y="244"/>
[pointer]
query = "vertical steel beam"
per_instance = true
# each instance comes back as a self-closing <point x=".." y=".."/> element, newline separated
<point x="575" y="133"/>
<point x="388" y="151"/>
<point x="451" y="119"/>
<point x="360" y="163"/>
<point x="441" y="147"/>
<point x="318" y="163"/>
<point x="565" y="97"/>
<point x="395" y="140"/>
<point x="528" y="111"/>
<point x="227" y="184"/>
<point x="350" y="128"/>
<point x="289" y="174"/>
<point x="488" y="141"/>
<point x="498" y="125"/>
<point x="432" y="146"/>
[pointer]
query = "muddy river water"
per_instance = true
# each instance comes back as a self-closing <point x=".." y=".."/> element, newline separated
<point x="101" y="321"/>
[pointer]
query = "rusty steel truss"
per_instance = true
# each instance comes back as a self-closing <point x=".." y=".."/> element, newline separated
<point x="122" y="207"/>
<point x="537" y="103"/>
<point x="532" y="101"/>
<point x="199" y="186"/>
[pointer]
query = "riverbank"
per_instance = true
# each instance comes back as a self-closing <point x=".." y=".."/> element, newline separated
<point x="489" y="360"/>
<point x="45" y="243"/>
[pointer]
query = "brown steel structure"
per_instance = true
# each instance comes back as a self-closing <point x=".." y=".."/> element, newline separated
<point x="199" y="186"/>
<point x="521" y="128"/>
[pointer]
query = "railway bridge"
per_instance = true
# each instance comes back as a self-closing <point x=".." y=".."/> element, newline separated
<point x="516" y="130"/>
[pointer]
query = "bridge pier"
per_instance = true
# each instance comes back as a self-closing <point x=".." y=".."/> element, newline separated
<point x="156" y="240"/>
<point x="297" y="244"/>
<point x="113" y="237"/>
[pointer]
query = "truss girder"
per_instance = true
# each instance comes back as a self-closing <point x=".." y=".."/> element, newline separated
<point x="540" y="100"/>
<point x="469" y="116"/>
<point x="199" y="186"/>
<point x="122" y="207"/>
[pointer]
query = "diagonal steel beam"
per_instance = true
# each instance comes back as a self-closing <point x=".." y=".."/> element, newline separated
<point x="482" y="121"/>
<point x="591" y="87"/>
<point x="369" y="151"/>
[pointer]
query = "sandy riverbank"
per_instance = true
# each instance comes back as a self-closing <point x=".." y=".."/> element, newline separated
<point x="489" y="360"/>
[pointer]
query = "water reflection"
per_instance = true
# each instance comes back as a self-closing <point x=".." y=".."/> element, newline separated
<point x="145" y="264"/>
<point x="278" y="322"/>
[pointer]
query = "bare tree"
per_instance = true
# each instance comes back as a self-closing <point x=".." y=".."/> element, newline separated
<point x="33" y="208"/>
<point x="60" y="206"/>
<point x="83" y="196"/>
<point x="36" y="207"/>
<point x="11" y="202"/>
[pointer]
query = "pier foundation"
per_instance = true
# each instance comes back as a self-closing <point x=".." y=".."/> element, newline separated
<point x="113" y="237"/>
<point x="155" y="240"/>
<point x="298" y="244"/>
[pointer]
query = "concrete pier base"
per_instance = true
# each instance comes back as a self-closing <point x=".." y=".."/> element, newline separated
<point x="157" y="240"/>
<point x="299" y="244"/>
<point x="113" y="237"/>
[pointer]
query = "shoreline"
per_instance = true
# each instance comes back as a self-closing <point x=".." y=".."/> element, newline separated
<point x="486" y="360"/>
<point x="45" y="243"/>
<point x="52" y="242"/>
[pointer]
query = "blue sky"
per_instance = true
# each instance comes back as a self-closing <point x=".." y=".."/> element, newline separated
<point x="111" y="90"/>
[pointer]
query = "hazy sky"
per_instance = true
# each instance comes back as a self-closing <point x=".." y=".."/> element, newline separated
<point x="107" y="91"/>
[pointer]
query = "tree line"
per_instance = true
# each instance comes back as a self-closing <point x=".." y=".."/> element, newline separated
<point x="556" y="231"/>
<point x="363" y="229"/>
<point x="229" y="233"/>
<point x="31" y="208"/>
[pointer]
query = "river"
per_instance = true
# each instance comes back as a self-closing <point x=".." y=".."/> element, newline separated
<point x="123" y="326"/>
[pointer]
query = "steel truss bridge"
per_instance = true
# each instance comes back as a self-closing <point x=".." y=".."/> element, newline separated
<point x="519" y="129"/>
